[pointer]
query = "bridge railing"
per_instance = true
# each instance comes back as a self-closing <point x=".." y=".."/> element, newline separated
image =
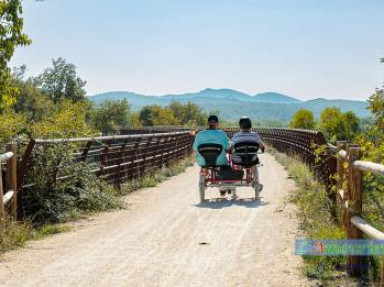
<point x="301" y="143"/>
<point x="116" y="158"/>
<point x="8" y="184"/>
<point x="350" y="198"/>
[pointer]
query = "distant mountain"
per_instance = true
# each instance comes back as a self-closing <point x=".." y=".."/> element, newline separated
<point x="233" y="104"/>
<point x="272" y="97"/>
<point x="211" y="94"/>
<point x="317" y="105"/>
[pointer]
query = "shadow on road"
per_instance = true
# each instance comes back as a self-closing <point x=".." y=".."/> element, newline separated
<point x="218" y="203"/>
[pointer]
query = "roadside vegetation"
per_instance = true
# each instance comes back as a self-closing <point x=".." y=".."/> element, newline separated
<point x="317" y="221"/>
<point x="49" y="209"/>
<point x="315" y="206"/>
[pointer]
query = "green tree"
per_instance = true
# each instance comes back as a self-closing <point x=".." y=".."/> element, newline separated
<point x="337" y="125"/>
<point x="111" y="116"/>
<point x="351" y="125"/>
<point x="11" y="36"/>
<point x="157" y="115"/>
<point x="61" y="82"/>
<point x="66" y="120"/>
<point x="303" y="119"/>
<point x="32" y="102"/>
<point x="188" y="114"/>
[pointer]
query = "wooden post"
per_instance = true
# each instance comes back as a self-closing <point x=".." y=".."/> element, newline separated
<point x="12" y="178"/>
<point x="354" y="263"/>
<point x="2" y="215"/>
<point x="382" y="274"/>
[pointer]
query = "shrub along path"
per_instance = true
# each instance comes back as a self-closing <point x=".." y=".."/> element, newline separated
<point x="165" y="238"/>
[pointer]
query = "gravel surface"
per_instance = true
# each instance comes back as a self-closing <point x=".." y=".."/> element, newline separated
<point x="165" y="238"/>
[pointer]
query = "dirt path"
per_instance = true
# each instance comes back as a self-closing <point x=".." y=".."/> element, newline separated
<point x="159" y="240"/>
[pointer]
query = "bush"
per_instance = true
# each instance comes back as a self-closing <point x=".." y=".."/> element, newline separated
<point x="303" y="119"/>
<point x="54" y="200"/>
<point x="316" y="217"/>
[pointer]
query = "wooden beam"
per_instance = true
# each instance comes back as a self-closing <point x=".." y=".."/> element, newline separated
<point x="12" y="178"/>
<point x="8" y="196"/>
<point x="369" y="166"/>
<point x="367" y="228"/>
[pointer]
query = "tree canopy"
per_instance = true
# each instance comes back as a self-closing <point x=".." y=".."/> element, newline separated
<point x="11" y="36"/>
<point x="175" y="114"/>
<point x="61" y="82"/>
<point x="111" y="116"/>
<point x="303" y="119"/>
<point x="337" y="125"/>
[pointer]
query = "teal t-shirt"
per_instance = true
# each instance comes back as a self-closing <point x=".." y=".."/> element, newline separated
<point x="212" y="136"/>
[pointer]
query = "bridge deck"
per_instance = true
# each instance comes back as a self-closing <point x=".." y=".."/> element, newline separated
<point x="165" y="238"/>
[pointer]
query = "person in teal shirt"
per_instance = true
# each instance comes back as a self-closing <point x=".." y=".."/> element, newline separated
<point x="215" y="136"/>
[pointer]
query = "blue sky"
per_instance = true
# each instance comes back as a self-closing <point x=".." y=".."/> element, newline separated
<point x="306" y="49"/>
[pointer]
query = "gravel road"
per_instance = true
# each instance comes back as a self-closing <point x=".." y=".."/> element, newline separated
<point x="165" y="238"/>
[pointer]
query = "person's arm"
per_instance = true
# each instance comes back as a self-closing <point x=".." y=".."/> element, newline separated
<point x="227" y="145"/>
<point x="196" y="142"/>
<point x="260" y="142"/>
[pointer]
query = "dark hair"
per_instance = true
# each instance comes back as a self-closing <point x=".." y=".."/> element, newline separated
<point x="213" y="119"/>
<point x="245" y="123"/>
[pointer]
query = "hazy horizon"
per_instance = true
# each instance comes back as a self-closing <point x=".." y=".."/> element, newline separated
<point x="193" y="92"/>
<point x="304" y="49"/>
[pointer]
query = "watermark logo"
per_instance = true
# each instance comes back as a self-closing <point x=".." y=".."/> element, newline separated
<point x="339" y="247"/>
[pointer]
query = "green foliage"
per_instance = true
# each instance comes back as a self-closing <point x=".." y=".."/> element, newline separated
<point x="303" y="119"/>
<point x="31" y="101"/>
<point x="54" y="200"/>
<point x="11" y="36"/>
<point x="157" y="115"/>
<point x="339" y="126"/>
<point x="158" y="176"/>
<point x="188" y="114"/>
<point x="61" y="82"/>
<point x="175" y="114"/>
<point x="66" y="120"/>
<point x="316" y="217"/>
<point x="111" y="116"/>
<point x="14" y="235"/>
<point x="11" y="125"/>
<point x="50" y="229"/>
<point x="372" y="144"/>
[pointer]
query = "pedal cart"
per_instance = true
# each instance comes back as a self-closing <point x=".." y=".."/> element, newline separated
<point x="242" y="171"/>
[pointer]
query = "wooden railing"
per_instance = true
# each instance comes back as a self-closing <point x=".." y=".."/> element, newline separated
<point x="350" y="198"/>
<point x="8" y="188"/>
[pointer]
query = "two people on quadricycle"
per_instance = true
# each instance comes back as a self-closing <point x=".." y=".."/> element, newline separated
<point x="228" y="165"/>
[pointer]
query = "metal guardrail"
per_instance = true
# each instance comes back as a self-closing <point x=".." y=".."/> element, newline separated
<point x="301" y="143"/>
<point x="117" y="158"/>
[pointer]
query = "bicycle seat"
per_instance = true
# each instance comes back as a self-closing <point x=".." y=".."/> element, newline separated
<point x="245" y="154"/>
<point x="210" y="152"/>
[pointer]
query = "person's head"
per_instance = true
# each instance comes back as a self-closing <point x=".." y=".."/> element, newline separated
<point x="245" y="124"/>
<point x="213" y="122"/>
